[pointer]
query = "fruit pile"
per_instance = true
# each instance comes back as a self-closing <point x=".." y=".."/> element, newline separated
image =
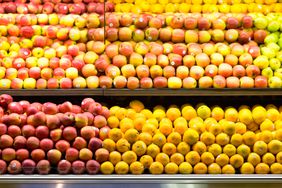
<point x="49" y="138"/>
<point x="90" y="138"/>
<point x="196" y="6"/>
<point x="84" y="44"/>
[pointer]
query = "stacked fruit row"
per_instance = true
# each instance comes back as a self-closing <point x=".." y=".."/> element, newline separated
<point x="48" y="7"/>
<point x="49" y="138"/>
<point x="140" y="51"/>
<point x="180" y="6"/>
<point x="90" y="138"/>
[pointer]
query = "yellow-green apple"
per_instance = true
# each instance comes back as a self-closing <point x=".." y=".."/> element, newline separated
<point x="90" y="57"/>
<point x="223" y="49"/>
<point x="93" y="21"/>
<point x="163" y="60"/>
<point x="128" y="70"/>
<point x="80" y="22"/>
<point x="232" y="82"/>
<point x="156" y="71"/>
<point x="79" y="82"/>
<point x="92" y="82"/>
<point x="29" y="83"/>
<point x="174" y="83"/>
<point x="274" y="82"/>
<point x="49" y="53"/>
<point x="141" y="48"/>
<point x="217" y="35"/>
<point x="71" y="73"/>
<point x="5" y="83"/>
<point x="31" y="62"/>
<point x="74" y="34"/>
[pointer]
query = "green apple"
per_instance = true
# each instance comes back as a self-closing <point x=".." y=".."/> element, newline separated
<point x="279" y="56"/>
<point x="261" y="23"/>
<point x="274" y="63"/>
<point x="267" y="72"/>
<point x="273" y="26"/>
<point x="271" y="38"/>
<point x="273" y="46"/>
<point x="261" y="61"/>
<point x="270" y="53"/>
<point x="280" y="42"/>
<point x="278" y="73"/>
<point x="275" y="82"/>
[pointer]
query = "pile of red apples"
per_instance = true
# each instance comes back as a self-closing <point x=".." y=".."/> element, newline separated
<point x="48" y="138"/>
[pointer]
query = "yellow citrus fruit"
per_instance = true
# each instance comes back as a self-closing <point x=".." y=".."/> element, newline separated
<point x="146" y="161"/>
<point x="146" y="138"/>
<point x="247" y="168"/>
<point x="188" y="112"/>
<point x="114" y="157"/>
<point x="266" y="136"/>
<point x="139" y="148"/>
<point x="249" y="138"/>
<point x="136" y="168"/>
<point x="245" y="116"/>
<point x="165" y="126"/>
<point x="121" y="168"/>
<point x="207" y="138"/>
<point x="197" y="124"/>
<point x="190" y="136"/>
<point x="262" y="168"/>
<point x="229" y="127"/>
<point x="185" y="168"/>
<point x="109" y="145"/>
<point x="243" y="150"/>
<point x="236" y="161"/>
<point x="169" y="148"/>
<point x="214" y="169"/>
<point x="207" y="158"/>
<point x="149" y="128"/>
<point x="209" y="122"/>
<point x="173" y="113"/>
<point x="240" y="128"/>
<point x="122" y="145"/>
<point x="278" y="135"/>
<point x="139" y="122"/>
<point x="254" y="159"/>
<point x="228" y="169"/>
<point x="156" y="168"/>
<point x="131" y="135"/>
<point x="147" y="113"/>
<point x="113" y="110"/>
<point x="200" y="147"/>
<point x="113" y="122"/>
<point x="126" y="124"/>
<point x="131" y="113"/>
<point x="260" y="147"/>
<point x="192" y="157"/>
<point x="115" y="134"/>
<point x="153" y="150"/>
<point x="259" y="114"/>
<point x="268" y="158"/>
<point x="276" y="168"/>
<point x="274" y="146"/>
<point x="229" y="150"/>
<point x="159" y="114"/>
<point x="231" y="114"/>
<point x="217" y="113"/>
<point x="180" y="125"/>
<point x="215" y="129"/>
<point x="200" y="168"/>
<point x="267" y="125"/>
<point x="174" y="138"/>
<point x="204" y="111"/>
<point x="222" y="159"/>
<point x="162" y="158"/>
<point x="215" y="149"/>
<point x="273" y="114"/>
<point x="171" y="168"/>
<point x="138" y="106"/>
<point x="129" y="157"/>
<point x="279" y="157"/>
<point x="222" y="139"/>
<point x="236" y="139"/>
<point x="121" y="113"/>
<point x="177" y="158"/>
<point x="183" y="148"/>
<point x="107" y="168"/>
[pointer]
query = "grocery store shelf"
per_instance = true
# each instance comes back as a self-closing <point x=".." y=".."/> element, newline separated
<point x="144" y="92"/>
<point x="141" y="179"/>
